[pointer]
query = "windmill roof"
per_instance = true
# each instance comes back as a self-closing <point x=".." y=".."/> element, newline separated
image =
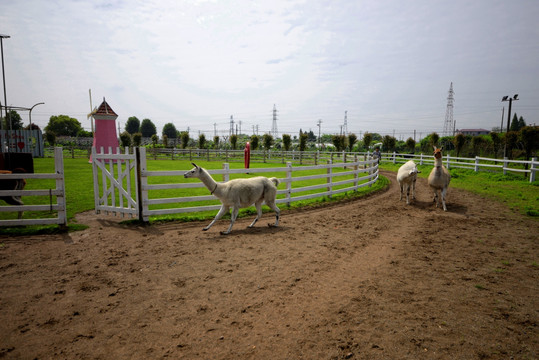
<point x="105" y="109"/>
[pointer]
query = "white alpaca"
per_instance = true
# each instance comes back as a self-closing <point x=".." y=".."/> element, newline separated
<point x="439" y="178"/>
<point x="406" y="177"/>
<point x="239" y="193"/>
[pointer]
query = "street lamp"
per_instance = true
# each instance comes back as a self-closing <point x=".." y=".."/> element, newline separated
<point x="507" y="98"/>
<point x="30" y="114"/>
<point x="2" y="37"/>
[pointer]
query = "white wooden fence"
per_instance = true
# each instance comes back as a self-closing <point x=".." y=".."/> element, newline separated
<point x="114" y="190"/>
<point x="476" y="164"/>
<point x="59" y="193"/>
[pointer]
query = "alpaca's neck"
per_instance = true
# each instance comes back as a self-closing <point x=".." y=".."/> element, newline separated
<point x="207" y="180"/>
<point x="438" y="162"/>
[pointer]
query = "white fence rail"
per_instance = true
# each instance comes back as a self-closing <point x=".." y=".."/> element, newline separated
<point x="332" y="179"/>
<point x="476" y="164"/>
<point x="59" y="193"/>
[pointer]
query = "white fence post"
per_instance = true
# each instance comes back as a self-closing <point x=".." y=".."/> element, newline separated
<point x="96" y="180"/>
<point x="143" y="187"/>
<point x="288" y="183"/>
<point x="447" y="161"/>
<point x="476" y="167"/>
<point x="505" y="164"/>
<point x="60" y="184"/>
<point x="394" y="157"/>
<point x="330" y="177"/>
<point x="421" y="159"/>
<point x="226" y="175"/>
<point x="533" y="169"/>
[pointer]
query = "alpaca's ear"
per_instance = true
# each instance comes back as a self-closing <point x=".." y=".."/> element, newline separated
<point x="195" y="165"/>
<point x="434" y="147"/>
<point x="442" y="148"/>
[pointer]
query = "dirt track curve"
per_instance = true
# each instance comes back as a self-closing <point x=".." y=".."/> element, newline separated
<point x="372" y="278"/>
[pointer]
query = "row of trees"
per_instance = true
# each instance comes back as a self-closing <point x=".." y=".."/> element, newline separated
<point x="520" y="141"/>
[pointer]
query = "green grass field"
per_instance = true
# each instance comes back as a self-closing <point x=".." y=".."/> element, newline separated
<point x="513" y="190"/>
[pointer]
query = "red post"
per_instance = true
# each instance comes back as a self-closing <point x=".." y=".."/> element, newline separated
<point x="247" y="155"/>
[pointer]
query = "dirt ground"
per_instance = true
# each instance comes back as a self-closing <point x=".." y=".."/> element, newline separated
<point x="371" y="278"/>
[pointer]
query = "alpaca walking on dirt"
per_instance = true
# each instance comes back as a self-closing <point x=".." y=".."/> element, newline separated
<point x="407" y="177"/>
<point x="439" y="178"/>
<point x="239" y="193"/>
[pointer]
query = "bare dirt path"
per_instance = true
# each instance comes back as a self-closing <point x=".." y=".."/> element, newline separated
<point x="367" y="279"/>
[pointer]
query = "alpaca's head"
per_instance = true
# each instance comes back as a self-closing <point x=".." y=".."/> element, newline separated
<point x="438" y="152"/>
<point x="194" y="172"/>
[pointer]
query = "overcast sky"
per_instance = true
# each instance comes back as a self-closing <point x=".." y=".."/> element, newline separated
<point x="389" y="64"/>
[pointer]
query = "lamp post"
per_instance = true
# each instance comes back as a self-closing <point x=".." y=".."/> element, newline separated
<point x="30" y="113"/>
<point x="2" y="37"/>
<point x="507" y="98"/>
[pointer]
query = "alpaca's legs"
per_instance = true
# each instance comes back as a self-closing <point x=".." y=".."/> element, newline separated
<point x="413" y="189"/>
<point x="408" y="194"/>
<point x="222" y="211"/>
<point x="401" y="187"/>
<point x="436" y="197"/>
<point x="233" y="217"/>
<point x="443" y="193"/>
<point x="274" y="207"/>
<point x="258" y="206"/>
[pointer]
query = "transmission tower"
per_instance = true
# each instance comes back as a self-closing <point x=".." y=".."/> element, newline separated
<point x="274" y="131"/>
<point x="231" y="132"/>
<point x="449" y="125"/>
<point x="345" y="127"/>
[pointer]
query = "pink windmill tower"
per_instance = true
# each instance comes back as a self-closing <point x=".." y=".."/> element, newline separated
<point x="105" y="128"/>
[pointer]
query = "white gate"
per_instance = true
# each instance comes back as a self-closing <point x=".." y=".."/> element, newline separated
<point x="116" y="189"/>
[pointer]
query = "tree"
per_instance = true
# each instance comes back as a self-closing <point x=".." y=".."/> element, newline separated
<point x="367" y="139"/>
<point x="352" y="138"/>
<point x="459" y="142"/>
<point x="201" y="141"/>
<point x="514" y="123"/>
<point x="50" y="137"/>
<point x="63" y="125"/>
<point x="132" y="125"/>
<point x="529" y="137"/>
<point x="155" y="140"/>
<point x="338" y="142"/>
<point x="147" y="128"/>
<point x="434" y="137"/>
<point x="254" y="142"/>
<point x="287" y="141"/>
<point x="511" y="139"/>
<point x="170" y="130"/>
<point x="496" y="142"/>
<point x="84" y="134"/>
<point x="15" y="119"/>
<point x="267" y="139"/>
<point x="233" y="141"/>
<point x="410" y="144"/>
<point x="216" y="142"/>
<point x="165" y="140"/>
<point x="477" y="141"/>
<point x="303" y="141"/>
<point x="389" y="142"/>
<point x="125" y="139"/>
<point x="184" y="137"/>
<point x="521" y="123"/>
<point x="137" y="139"/>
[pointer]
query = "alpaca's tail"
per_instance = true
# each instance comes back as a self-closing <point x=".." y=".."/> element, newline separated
<point x="275" y="181"/>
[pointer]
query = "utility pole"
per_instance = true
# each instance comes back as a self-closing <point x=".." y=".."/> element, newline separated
<point x="231" y="132"/>
<point x="319" y="124"/>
